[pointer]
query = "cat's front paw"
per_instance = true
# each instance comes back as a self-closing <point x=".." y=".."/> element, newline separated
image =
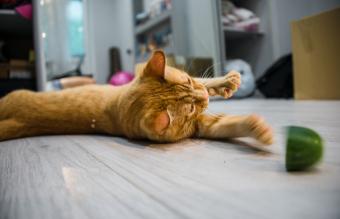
<point x="259" y="129"/>
<point x="233" y="82"/>
<point x="227" y="86"/>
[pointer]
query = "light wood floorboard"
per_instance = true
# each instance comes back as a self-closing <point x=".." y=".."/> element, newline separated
<point x="109" y="177"/>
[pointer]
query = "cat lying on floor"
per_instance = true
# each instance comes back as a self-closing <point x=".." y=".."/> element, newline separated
<point x="162" y="104"/>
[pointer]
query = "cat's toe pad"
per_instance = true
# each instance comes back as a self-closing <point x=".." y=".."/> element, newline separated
<point x="233" y="80"/>
<point x="227" y="85"/>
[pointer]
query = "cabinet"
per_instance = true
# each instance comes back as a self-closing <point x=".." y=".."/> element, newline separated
<point x="17" y="67"/>
<point x="21" y="66"/>
<point x="273" y="39"/>
<point x="189" y="28"/>
<point x="255" y="46"/>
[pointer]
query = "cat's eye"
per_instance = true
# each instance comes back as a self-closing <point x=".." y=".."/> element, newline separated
<point x="189" y="81"/>
<point x="192" y="108"/>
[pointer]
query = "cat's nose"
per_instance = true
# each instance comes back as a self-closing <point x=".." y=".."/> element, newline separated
<point x="206" y="94"/>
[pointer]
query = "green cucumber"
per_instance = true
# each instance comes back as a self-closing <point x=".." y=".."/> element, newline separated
<point x="304" y="148"/>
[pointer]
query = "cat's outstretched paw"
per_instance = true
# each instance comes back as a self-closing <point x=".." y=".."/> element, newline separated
<point x="259" y="129"/>
<point x="227" y="86"/>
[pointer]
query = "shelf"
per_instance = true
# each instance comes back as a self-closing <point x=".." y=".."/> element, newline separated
<point x="12" y="24"/>
<point x="234" y="33"/>
<point x="8" y="85"/>
<point x="7" y="12"/>
<point x="153" y="22"/>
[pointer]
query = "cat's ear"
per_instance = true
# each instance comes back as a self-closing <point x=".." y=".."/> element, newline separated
<point x="161" y="122"/>
<point x="156" y="64"/>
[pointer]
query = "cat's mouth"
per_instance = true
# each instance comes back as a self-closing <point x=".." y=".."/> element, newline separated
<point x="205" y="98"/>
<point x="206" y="94"/>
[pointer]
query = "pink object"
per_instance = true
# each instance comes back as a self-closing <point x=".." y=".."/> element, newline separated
<point x="25" y="11"/>
<point x="121" y="78"/>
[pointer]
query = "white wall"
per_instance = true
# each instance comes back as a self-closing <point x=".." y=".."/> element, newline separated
<point x="126" y="33"/>
<point x="102" y="35"/>
<point x="110" y="24"/>
<point x="199" y="27"/>
<point x="203" y="32"/>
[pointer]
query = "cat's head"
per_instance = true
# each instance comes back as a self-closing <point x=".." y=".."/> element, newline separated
<point x="166" y="101"/>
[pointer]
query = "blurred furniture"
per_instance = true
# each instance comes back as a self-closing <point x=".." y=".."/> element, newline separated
<point x="193" y="28"/>
<point x="188" y="28"/>
<point x="272" y="40"/>
<point x="17" y="64"/>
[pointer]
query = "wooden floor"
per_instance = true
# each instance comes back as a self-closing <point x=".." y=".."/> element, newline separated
<point x="106" y="177"/>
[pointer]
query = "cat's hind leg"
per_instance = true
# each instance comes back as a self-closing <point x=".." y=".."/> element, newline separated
<point x="10" y="129"/>
<point x="225" y="126"/>
<point x="2" y="115"/>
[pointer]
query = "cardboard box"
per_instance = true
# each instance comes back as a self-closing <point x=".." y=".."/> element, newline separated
<point x="316" y="56"/>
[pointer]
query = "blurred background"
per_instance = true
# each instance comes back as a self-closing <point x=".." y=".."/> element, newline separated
<point x="56" y="44"/>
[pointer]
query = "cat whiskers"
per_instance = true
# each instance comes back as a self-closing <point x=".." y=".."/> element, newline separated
<point x="207" y="71"/>
<point x="188" y="69"/>
<point x="212" y="114"/>
<point x="204" y="75"/>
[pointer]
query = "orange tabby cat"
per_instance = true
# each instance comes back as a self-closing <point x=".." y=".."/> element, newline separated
<point x="162" y="104"/>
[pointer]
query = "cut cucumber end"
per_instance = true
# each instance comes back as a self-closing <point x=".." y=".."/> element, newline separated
<point x="304" y="148"/>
